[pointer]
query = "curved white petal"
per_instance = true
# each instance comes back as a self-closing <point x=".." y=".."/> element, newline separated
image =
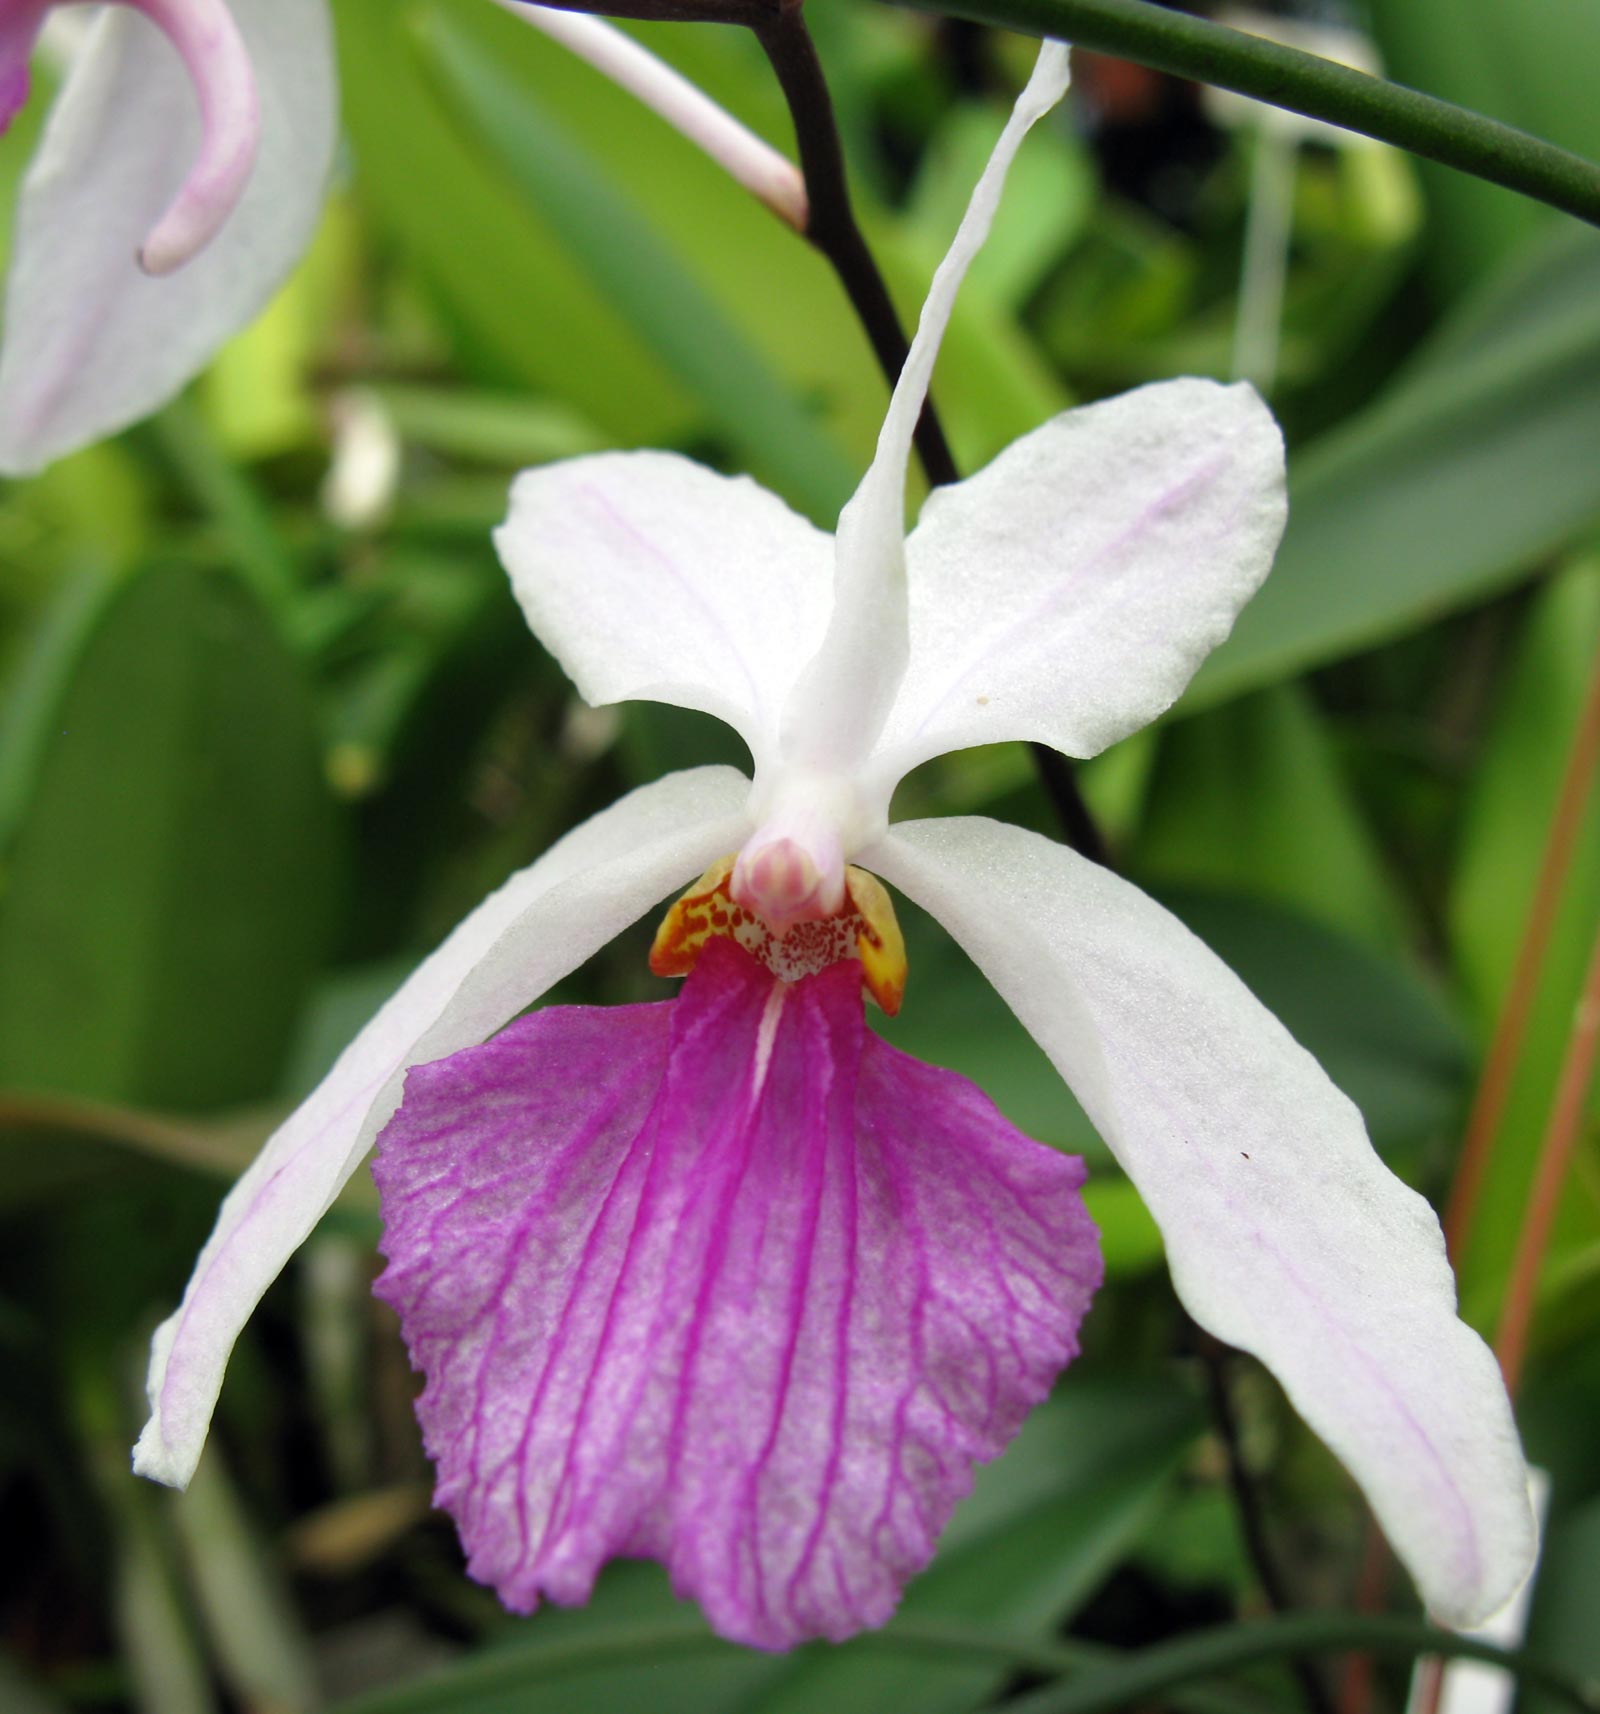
<point x="1287" y="1236"/>
<point x="1068" y="591"/>
<point x="841" y="701"/>
<point x="92" y="342"/>
<point x="542" y="924"/>
<point x="647" y="575"/>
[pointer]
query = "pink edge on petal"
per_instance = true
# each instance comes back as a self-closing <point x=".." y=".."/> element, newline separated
<point x="725" y="1282"/>
<point x="218" y="62"/>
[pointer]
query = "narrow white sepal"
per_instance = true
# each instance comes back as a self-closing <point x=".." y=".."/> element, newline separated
<point x="541" y="925"/>
<point x="1286" y="1235"/>
<point x="844" y="694"/>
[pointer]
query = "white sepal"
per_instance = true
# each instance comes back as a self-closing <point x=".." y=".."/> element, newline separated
<point x="541" y="925"/>
<point x="1287" y="1236"/>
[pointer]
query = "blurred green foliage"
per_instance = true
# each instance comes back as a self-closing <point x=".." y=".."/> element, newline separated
<point x="271" y="724"/>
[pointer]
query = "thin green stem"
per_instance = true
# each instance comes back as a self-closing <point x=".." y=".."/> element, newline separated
<point x="1156" y="1672"/>
<point x="1303" y="83"/>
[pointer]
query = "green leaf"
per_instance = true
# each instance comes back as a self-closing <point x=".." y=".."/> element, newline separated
<point x="522" y="308"/>
<point x="1531" y="65"/>
<point x="1250" y="798"/>
<point x="167" y="894"/>
<point x="638" y="272"/>
<point x="1468" y="470"/>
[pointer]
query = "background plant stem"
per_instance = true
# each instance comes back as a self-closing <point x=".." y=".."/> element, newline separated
<point x="1303" y="83"/>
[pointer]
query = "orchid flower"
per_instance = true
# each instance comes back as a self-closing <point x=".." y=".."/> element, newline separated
<point x="152" y="223"/>
<point x="726" y="1280"/>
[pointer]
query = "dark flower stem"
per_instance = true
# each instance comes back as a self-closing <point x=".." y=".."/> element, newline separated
<point x="832" y="227"/>
<point x="1214" y="1356"/>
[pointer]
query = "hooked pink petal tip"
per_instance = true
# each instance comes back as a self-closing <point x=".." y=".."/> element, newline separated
<point x="725" y="1282"/>
<point x="212" y="49"/>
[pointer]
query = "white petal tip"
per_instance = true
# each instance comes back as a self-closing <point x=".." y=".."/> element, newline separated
<point x="153" y="1458"/>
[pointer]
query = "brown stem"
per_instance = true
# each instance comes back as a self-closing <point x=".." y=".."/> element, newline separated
<point x="832" y="227"/>
<point x="1555" y="1157"/>
<point x="1505" y="1047"/>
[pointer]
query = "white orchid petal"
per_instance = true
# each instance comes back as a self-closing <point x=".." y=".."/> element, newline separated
<point x="840" y="704"/>
<point x="647" y="575"/>
<point x="1068" y="592"/>
<point x="1287" y="1236"/>
<point x="93" y="342"/>
<point x="542" y="924"/>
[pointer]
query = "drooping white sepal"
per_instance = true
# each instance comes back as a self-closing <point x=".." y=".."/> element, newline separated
<point x="541" y="925"/>
<point x="1286" y="1234"/>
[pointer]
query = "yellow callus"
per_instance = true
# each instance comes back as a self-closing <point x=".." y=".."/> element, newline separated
<point x="865" y="928"/>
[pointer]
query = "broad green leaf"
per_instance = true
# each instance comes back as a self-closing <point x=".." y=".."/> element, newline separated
<point x="520" y="305"/>
<point x="637" y="271"/>
<point x="1250" y="798"/>
<point x="33" y="697"/>
<point x="1502" y="843"/>
<point x="1458" y="479"/>
<point x="167" y="893"/>
<point x="1530" y="64"/>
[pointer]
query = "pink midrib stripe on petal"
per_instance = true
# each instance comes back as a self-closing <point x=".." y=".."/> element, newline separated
<point x="1319" y="1308"/>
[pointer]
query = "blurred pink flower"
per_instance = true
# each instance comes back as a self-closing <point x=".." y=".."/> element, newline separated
<point x="179" y="177"/>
